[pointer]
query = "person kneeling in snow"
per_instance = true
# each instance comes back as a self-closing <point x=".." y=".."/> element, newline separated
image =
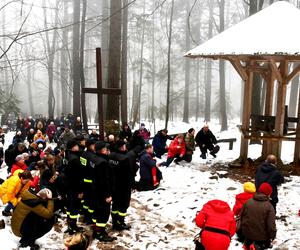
<point x="176" y="151"/>
<point x="240" y="200"/>
<point x="33" y="217"/>
<point x="149" y="172"/>
<point x="258" y="220"/>
<point x="12" y="188"/>
<point x="218" y="225"/>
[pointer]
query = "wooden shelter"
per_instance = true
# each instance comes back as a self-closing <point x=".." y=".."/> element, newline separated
<point x="267" y="43"/>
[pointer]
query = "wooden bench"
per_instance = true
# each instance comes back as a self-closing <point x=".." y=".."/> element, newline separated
<point x="229" y="140"/>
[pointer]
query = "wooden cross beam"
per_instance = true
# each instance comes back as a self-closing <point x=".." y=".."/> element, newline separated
<point x="100" y="91"/>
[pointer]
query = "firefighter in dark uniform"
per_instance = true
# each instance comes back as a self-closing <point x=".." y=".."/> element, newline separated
<point x="102" y="192"/>
<point x="123" y="183"/>
<point x="87" y="161"/>
<point x="73" y="173"/>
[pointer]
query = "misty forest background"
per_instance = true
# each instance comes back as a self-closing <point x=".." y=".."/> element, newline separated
<point x="47" y="54"/>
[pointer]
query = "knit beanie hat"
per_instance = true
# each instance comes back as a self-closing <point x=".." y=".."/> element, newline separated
<point x="249" y="187"/>
<point x="19" y="158"/>
<point x="265" y="188"/>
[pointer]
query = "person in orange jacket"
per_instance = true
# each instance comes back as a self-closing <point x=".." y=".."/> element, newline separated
<point x="176" y="151"/>
<point x="11" y="189"/>
<point x="217" y="223"/>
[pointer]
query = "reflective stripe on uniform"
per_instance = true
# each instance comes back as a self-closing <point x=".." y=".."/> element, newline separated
<point x="88" y="181"/>
<point x="121" y="214"/>
<point x="91" y="211"/>
<point x="85" y="207"/>
<point x="73" y="216"/>
<point x="100" y="224"/>
<point x="83" y="161"/>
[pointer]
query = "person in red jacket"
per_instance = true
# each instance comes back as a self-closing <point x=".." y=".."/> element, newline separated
<point x="176" y="151"/>
<point x="19" y="164"/>
<point x="240" y="200"/>
<point x="217" y="223"/>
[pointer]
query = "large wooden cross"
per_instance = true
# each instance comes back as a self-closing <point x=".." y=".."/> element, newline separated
<point x="100" y="91"/>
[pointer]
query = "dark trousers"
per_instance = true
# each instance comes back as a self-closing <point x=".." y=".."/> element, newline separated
<point x="160" y="152"/>
<point x="170" y="159"/>
<point x="34" y="227"/>
<point x="259" y="245"/>
<point x="73" y="205"/>
<point x="102" y="212"/>
<point x="9" y="207"/>
<point x="121" y="200"/>
<point x="145" y="185"/>
<point x="188" y="157"/>
<point x="213" y="149"/>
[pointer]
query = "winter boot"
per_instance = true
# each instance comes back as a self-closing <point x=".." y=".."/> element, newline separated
<point x="102" y="235"/>
<point x="6" y="214"/>
<point x="120" y="224"/>
<point x="213" y="154"/>
<point x="34" y="246"/>
<point x="2" y="224"/>
<point x="72" y="226"/>
<point x="203" y="156"/>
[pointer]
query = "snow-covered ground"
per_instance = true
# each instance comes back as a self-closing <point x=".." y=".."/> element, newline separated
<point x="163" y="219"/>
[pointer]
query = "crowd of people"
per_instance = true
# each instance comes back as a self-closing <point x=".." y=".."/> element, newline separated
<point x="85" y="175"/>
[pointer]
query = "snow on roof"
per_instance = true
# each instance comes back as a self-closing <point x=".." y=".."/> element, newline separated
<point x="273" y="30"/>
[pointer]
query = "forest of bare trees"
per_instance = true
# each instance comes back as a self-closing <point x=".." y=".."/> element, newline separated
<point x="48" y="55"/>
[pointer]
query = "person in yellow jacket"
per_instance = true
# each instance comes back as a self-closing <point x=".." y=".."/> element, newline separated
<point x="33" y="217"/>
<point x="11" y="189"/>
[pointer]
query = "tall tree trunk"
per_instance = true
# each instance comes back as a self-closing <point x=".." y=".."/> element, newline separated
<point x="187" y="66"/>
<point x="104" y="40"/>
<point x="104" y="51"/>
<point x="138" y="103"/>
<point x="81" y="64"/>
<point x="223" y="113"/>
<point x="153" y="66"/>
<point x="64" y="63"/>
<point x="124" y="114"/>
<point x="5" y="70"/>
<point x="113" y="106"/>
<point x="169" y="64"/>
<point x="29" y="81"/>
<point x="256" y="90"/>
<point x="50" y="62"/>
<point x="75" y="58"/>
<point x="208" y="76"/>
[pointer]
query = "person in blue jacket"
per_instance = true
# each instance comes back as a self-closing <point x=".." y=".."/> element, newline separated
<point x="160" y="142"/>
<point x="149" y="172"/>
<point x="269" y="173"/>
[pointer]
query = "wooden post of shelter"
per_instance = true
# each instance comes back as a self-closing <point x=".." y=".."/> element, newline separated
<point x="100" y="91"/>
<point x="280" y="113"/>
<point x="247" y="103"/>
<point x="270" y="78"/>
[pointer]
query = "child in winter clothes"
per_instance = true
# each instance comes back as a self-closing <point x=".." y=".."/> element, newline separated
<point x="218" y="225"/>
<point x="240" y="200"/>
